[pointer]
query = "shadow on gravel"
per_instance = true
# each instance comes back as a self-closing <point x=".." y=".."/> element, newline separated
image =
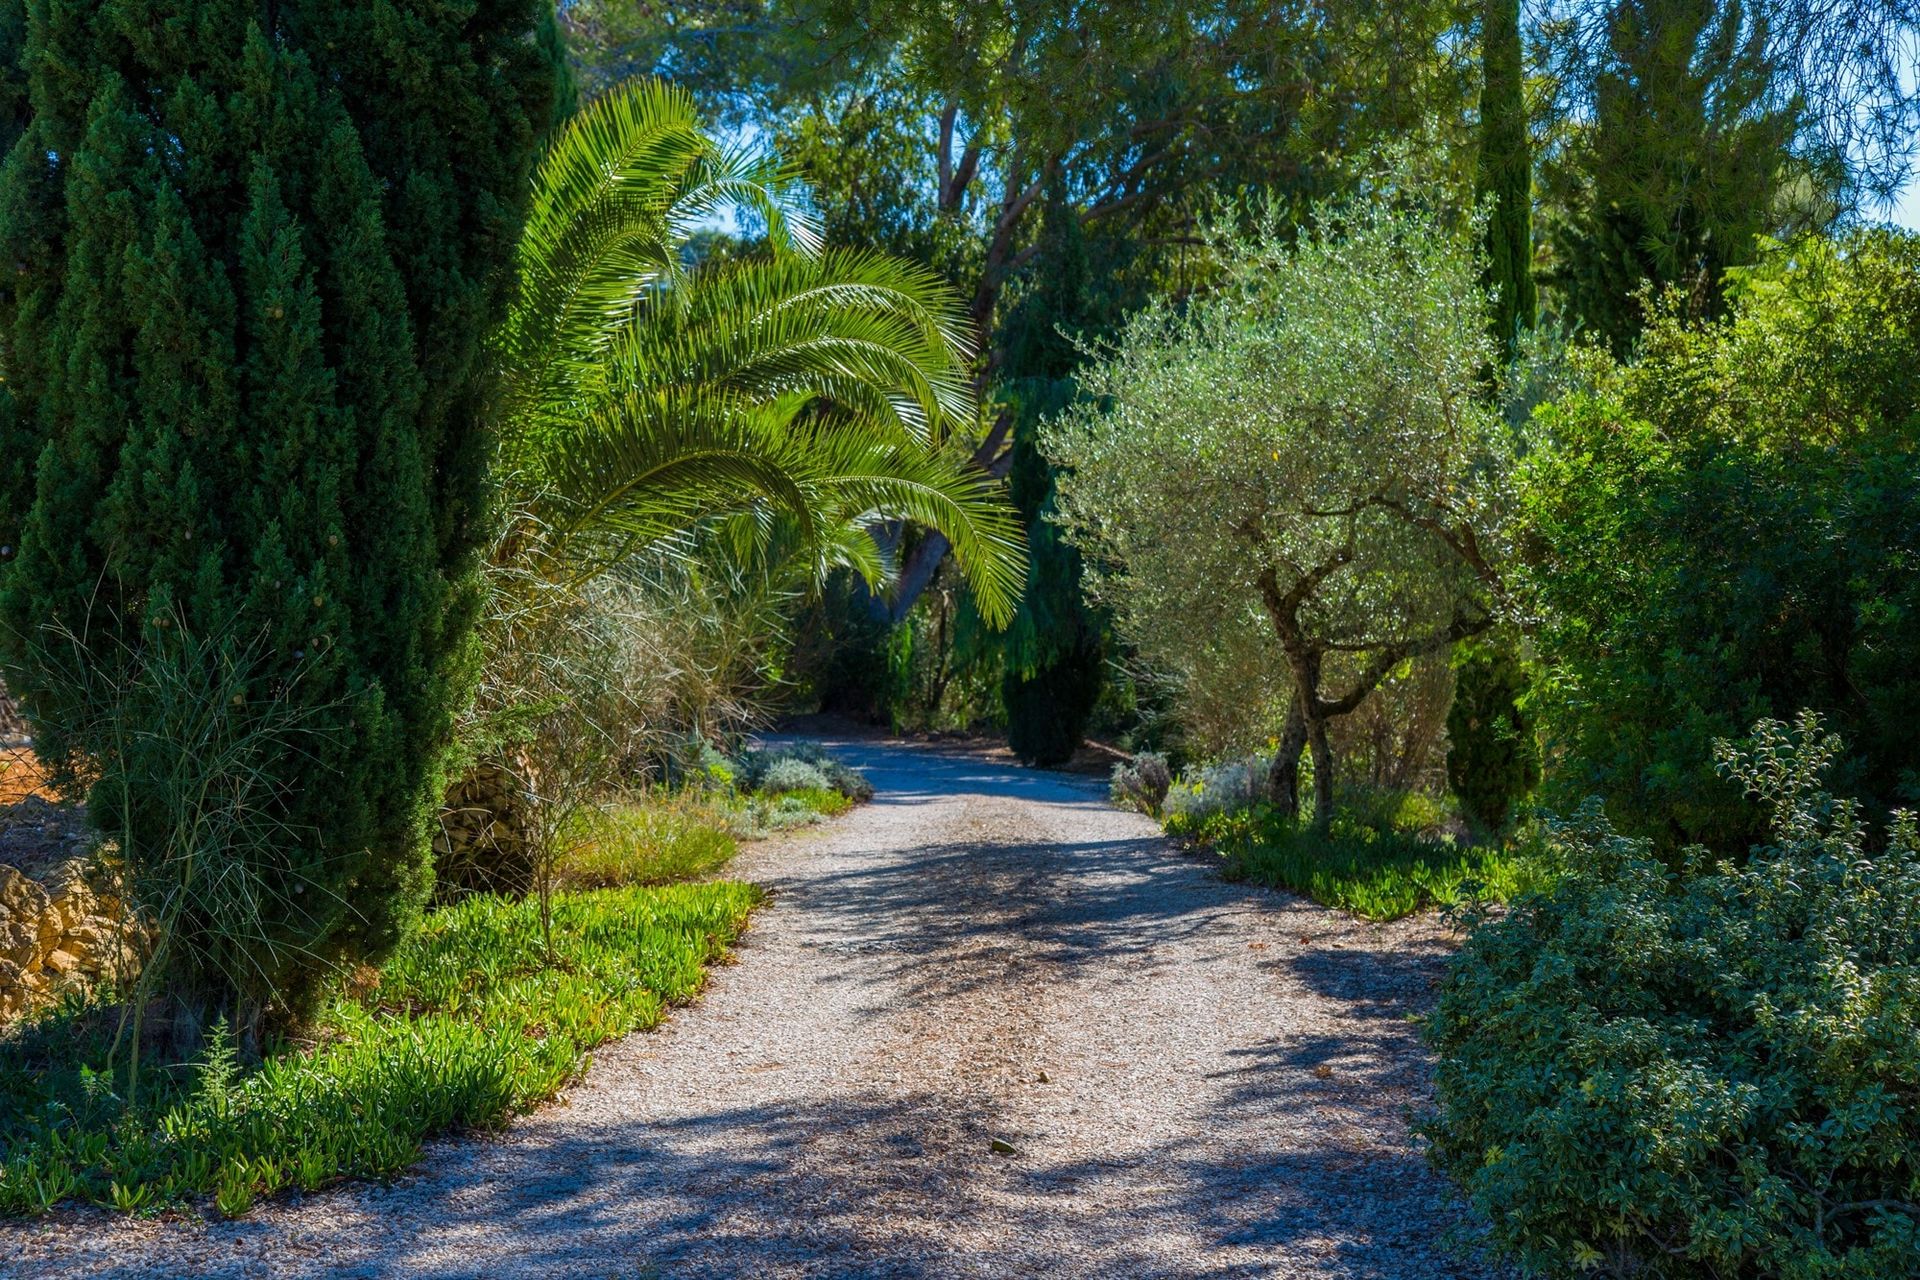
<point x="1058" y="909"/>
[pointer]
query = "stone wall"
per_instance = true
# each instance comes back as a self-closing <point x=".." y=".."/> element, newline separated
<point x="57" y="934"/>
<point x="484" y="844"/>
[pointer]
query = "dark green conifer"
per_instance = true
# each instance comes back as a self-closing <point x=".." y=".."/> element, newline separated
<point x="1505" y="178"/>
<point x="254" y="255"/>
<point x="1055" y="649"/>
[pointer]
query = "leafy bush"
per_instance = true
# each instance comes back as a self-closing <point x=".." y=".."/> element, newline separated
<point x="1711" y="1074"/>
<point x="1493" y="760"/>
<point x="1724" y="531"/>
<point x="1232" y="786"/>
<point x="793" y="775"/>
<point x="1142" y="783"/>
<point x="467" y="1026"/>
<point x="655" y="841"/>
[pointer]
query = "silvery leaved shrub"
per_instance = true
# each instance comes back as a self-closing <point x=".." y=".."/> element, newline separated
<point x="1713" y="1071"/>
<point x="1142" y="783"/>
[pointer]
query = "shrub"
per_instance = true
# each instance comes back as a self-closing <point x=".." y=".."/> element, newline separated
<point x="1715" y="1074"/>
<point x="277" y="261"/>
<point x="1142" y="783"/>
<point x="468" y="1025"/>
<point x="1048" y="708"/>
<point x="792" y="774"/>
<point x="755" y="767"/>
<point x="1493" y="759"/>
<point x="1232" y="786"/>
<point x="1724" y="531"/>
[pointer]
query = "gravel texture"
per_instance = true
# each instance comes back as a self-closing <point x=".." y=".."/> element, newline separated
<point x="988" y="1026"/>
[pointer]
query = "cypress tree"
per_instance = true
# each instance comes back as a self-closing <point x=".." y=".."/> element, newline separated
<point x="1505" y="177"/>
<point x="255" y="254"/>
<point x="1056" y="648"/>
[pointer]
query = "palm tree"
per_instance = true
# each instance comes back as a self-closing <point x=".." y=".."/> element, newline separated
<point x="645" y="396"/>
<point x="692" y="442"/>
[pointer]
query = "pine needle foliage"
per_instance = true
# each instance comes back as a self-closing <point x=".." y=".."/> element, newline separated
<point x="256" y="254"/>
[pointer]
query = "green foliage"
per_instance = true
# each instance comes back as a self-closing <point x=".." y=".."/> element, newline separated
<point x="1680" y="168"/>
<point x="1493" y="753"/>
<point x="660" y="839"/>
<point x="1375" y="865"/>
<point x="1298" y="480"/>
<point x="803" y="393"/>
<point x="469" y="1025"/>
<point x="1708" y="1075"/>
<point x="1047" y="710"/>
<point x="1724" y="531"/>
<point x="792" y="775"/>
<point x="258" y="254"/>
<point x="1505" y="177"/>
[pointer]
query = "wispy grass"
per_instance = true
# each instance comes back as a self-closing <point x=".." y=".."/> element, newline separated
<point x="656" y="840"/>
<point x="468" y="1025"/>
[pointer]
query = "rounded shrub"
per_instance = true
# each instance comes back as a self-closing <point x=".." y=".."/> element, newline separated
<point x="1709" y="1073"/>
<point x="794" y="775"/>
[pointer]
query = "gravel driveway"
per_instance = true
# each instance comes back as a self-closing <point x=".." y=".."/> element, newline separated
<point x="1194" y="1079"/>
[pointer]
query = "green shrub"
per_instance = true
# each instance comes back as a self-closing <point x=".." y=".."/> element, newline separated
<point x="1493" y="758"/>
<point x="1048" y="709"/>
<point x="1715" y="1073"/>
<point x="654" y="841"/>
<point x="469" y="1024"/>
<point x="246" y="344"/>
<point x="1724" y="531"/>
<point x="1213" y="791"/>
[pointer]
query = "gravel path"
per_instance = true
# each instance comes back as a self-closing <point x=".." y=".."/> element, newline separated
<point x="1196" y="1079"/>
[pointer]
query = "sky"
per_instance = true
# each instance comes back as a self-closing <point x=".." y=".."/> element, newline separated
<point x="1907" y="212"/>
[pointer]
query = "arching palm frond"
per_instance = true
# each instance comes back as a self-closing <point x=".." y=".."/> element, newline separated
<point x="803" y="395"/>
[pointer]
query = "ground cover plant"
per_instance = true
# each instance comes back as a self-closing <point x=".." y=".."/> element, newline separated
<point x="470" y="1022"/>
<point x="1705" y="1073"/>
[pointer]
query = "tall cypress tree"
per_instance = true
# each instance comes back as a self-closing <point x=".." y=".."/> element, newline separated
<point x="255" y="252"/>
<point x="1056" y="648"/>
<point x="1505" y="177"/>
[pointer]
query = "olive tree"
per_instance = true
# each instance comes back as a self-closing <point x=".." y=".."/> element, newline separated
<point x="1305" y="461"/>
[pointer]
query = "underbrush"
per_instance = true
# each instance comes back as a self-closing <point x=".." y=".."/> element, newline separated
<point x="1710" y="1069"/>
<point x="470" y="1023"/>
<point x="1381" y="859"/>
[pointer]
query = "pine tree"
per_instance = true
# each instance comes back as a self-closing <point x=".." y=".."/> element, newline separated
<point x="1505" y="176"/>
<point x="1683" y="160"/>
<point x="256" y="253"/>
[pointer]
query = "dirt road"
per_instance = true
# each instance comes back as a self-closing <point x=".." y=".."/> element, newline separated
<point x="988" y="1026"/>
